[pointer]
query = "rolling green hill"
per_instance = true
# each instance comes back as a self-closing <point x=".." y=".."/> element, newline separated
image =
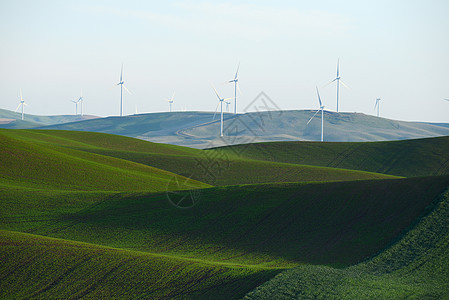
<point x="66" y="269"/>
<point x="95" y="215"/>
<point x="417" y="266"/>
<point x="44" y="166"/>
<point x="231" y="241"/>
<point x="192" y="163"/>
<point x="276" y="225"/>
<point x="420" y="157"/>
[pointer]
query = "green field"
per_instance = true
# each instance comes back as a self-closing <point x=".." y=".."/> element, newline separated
<point x="196" y="164"/>
<point x="409" y="158"/>
<point x="417" y="267"/>
<point x="92" y="215"/>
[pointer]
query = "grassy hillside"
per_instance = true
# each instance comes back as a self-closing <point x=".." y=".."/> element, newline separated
<point x="277" y="225"/>
<point x="40" y="267"/>
<point x="41" y="166"/>
<point x="192" y="163"/>
<point x="100" y="218"/>
<point x="417" y="266"/>
<point x="421" y="157"/>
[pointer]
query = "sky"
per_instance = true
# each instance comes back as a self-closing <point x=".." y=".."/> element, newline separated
<point x="394" y="50"/>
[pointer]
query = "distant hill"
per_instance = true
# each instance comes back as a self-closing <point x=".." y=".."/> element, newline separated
<point x="13" y="120"/>
<point x="419" y="157"/>
<point x="199" y="130"/>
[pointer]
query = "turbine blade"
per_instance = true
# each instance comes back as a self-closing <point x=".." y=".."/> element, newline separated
<point x="127" y="89"/>
<point x="375" y="105"/>
<point x="216" y="110"/>
<point x="18" y="107"/>
<point x="344" y="84"/>
<point x="446" y="99"/>
<point x="329" y="82"/>
<point x="338" y="67"/>
<point x="319" y="98"/>
<point x="216" y="93"/>
<point x="237" y="72"/>
<point x="173" y="96"/>
<point x="313" y="117"/>
<point x="238" y="88"/>
<point x="121" y="74"/>
<point x="21" y="98"/>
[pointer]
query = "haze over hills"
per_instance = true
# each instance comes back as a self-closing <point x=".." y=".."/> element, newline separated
<point x="200" y="130"/>
<point x="12" y="120"/>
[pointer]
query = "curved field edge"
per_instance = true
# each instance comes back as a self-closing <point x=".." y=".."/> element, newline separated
<point x="417" y="266"/>
<point x="408" y="158"/>
<point x="42" y="267"/>
<point x="275" y="225"/>
<point x="128" y="153"/>
<point x="41" y="165"/>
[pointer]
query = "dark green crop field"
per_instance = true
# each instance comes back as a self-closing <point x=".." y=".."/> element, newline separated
<point x="408" y="158"/>
<point x="417" y="267"/>
<point x="91" y="215"/>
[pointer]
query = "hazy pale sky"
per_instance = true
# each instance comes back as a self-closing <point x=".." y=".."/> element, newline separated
<point x="395" y="50"/>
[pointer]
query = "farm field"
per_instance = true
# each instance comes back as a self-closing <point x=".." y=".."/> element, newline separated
<point x="77" y="203"/>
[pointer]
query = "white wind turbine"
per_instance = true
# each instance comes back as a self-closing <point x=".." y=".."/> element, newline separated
<point x="22" y="104"/>
<point x="377" y="105"/>
<point x="76" y="106"/>
<point x="122" y="85"/>
<point x="338" y="80"/>
<point x="220" y="102"/>
<point x="236" y="86"/>
<point x="81" y="100"/>
<point x="171" y="101"/>
<point x="227" y="105"/>
<point x="322" y="115"/>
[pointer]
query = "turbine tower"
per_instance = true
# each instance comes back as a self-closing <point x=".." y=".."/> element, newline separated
<point x="235" y="81"/>
<point x="338" y="80"/>
<point x="122" y="85"/>
<point x="171" y="101"/>
<point x="322" y="115"/>
<point x="227" y="105"/>
<point x="22" y="104"/>
<point x="76" y="106"/>
<point x="220" y="102"/>
<point x="377" y="105"/>
<point x="81" y="100"/>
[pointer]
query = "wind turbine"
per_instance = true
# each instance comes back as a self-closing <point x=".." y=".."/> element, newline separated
<point x="235" y="80"/>
<point x="76" y="106"/>
<point x="322" y="115"/>
<point x="377" y="105"/>
<point x="220" y="102"/>
<point x="81" y="100"/>
<point x="227" y="105"/>
<point x="446" y="99"/>
<point x="22" y="104"/>
<point x="338" y="80"/>
<point x="171" y="101"/>
<point x="122" y="85"/>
